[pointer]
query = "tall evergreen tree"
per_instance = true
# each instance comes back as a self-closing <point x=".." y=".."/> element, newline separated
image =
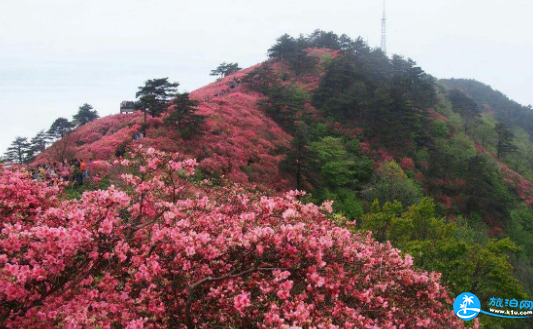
<point x="184" y="115"/>
<point x="467" y="108"/>
<point x="225" y="69"/>
<point x="154" y="95"/>
<point x="285" y="46"/>
<point x="39" y="142"/>
<point x="285" y="105"/>
<point x="85" y="114"/>
<point x="299" y="159"/>
<point x="262" y="79"/>
<point x="323" y="39"/>
<point x="299" y="62"/>
<point x="19" y="150"/>
<point x="60" y="128"/>
<point x="505" y="140"/>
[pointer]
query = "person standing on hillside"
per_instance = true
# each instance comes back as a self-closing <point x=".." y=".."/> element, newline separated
<point x="76" y="172"/>
<point x="83" y="169"/>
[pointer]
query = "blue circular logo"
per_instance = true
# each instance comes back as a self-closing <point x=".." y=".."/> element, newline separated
<point x="466" y="306"/>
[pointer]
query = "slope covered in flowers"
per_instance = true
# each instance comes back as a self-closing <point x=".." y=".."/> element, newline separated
<point x="238" y="142"/>
<point x="161" y="250"/>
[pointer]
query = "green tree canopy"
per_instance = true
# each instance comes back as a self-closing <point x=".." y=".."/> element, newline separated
<point x="60" y="127"/>
<point x="19" y="150"/>
<point x="505" y="140"/>
<point x="435" y="245"/>
<point x="39" y="142"/>
<point x="85" y="114"/>
<point x="225" y="69"/>
<point x="390" y="183"/>
<point x="154" y="95"/>
<point x="183" y="115"/>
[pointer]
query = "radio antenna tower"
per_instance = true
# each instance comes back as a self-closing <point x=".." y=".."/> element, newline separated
<point x="384" y="31"/>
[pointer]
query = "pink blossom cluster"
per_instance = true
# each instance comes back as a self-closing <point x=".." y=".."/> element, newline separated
<point x="523" y="187"/>
<point x="158" y="250"/>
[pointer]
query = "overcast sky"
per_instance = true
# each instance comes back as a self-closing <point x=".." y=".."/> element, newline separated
<point x="56" y="55"/>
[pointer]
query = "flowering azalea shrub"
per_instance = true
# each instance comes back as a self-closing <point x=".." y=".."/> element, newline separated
<point x="160" y="250"/>
<point x="23" y="200"/>
<point x="407" y="164"/>
<point x="522" y="186"/>
<point x="99" y="169"/>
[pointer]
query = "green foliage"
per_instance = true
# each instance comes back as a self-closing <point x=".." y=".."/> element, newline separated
<point x="384" y="96"/>
<point x="520" y="229"/>
<point x="154" y="95"/>
<point x="337" y="164"/>
<point x="345" y="201"/>
<point x="225" y="69"/>
<point x="390" y="183"/>
<point x="388" y="97"/>
<point x="285" y="105"/>
<point x="299" y="161"/>
<point x="439" y="129"/>
<point x="507" y="111"/>
<point x="85" y="115"/>
<point x="485" y="133"/>
<point x="183" y="116"/>
<point x="75" y="191"/>
<point x="38" y="143"/>
<point x="261" y="79"/>
<point x="285" y="46"/>
<point x="485" y="188"/>
<point x="505" y="140"/>
<point x="293" y="52"/>
<point x="60" y="127"/>
<point x="467" y="108"/>
<point x="483" y="269"/>
<point x="19" y="151"/>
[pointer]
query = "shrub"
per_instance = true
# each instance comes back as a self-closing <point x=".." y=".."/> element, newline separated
<point x="157" y="251"/>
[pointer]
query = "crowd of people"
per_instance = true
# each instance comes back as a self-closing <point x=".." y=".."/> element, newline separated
<point x="75" y="170"/>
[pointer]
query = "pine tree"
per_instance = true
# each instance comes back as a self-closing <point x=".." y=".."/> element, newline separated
<point x="183" y="115"/>
<point x="285" y="105"/>
<point x="299" y="159"/>
<point x="39" y="143"/>
<point x="225" y="69"/>
<point x="19" y="150"/>
<point x="323" y="39"/>
<point x="60" y="128"/>
<point x="285" y="46"/>
<point x="262" y="79"/>
<point x="299" y="62"/>
<point x="467" y="108"/>
<point x="154" y="95"/>
<point x="85" y="114"/>
<point x="505" y="140"/>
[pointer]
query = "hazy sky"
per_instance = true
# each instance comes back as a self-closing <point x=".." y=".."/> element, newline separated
<point x="56" y="55"/>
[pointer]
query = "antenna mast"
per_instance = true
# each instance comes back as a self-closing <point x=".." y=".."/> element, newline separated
<point x="384" y="31"/>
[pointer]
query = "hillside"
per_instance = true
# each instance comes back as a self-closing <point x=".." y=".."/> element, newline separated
<point x="506" y="110"/>
<point x="239" y="141"/>
<point x="440" y="169"/>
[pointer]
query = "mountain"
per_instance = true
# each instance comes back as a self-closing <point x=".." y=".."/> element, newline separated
<point x="440" y="168"/>
<point x="506" y="110"/>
